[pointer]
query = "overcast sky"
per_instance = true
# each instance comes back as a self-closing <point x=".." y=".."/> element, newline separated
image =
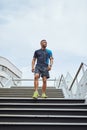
<point x="63" y="23"/>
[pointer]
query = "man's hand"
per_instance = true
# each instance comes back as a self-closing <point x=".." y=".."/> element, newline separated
<point x="33" y="69"/>
<point x="49" y="68"/>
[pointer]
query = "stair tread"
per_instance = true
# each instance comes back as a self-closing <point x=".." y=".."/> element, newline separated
<point x="42" y="109"/>
<point x="41" y="98"/>
<point x="56" y="116"/>
<point x="38" y="123"/>
<point x="58" y="104"/>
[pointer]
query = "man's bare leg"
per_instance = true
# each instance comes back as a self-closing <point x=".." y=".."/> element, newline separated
<point x="44" y="84"/>
<point x="36" y="83"/>
<point x="44" y="87"/>
<point x="36" y="94"/>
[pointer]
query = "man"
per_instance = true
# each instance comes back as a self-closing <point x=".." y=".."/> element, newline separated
<point x="42" y="67"/>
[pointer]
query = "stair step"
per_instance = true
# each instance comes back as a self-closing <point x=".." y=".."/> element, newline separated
<point x="43" y="111"/>
<point x="44" y="105"/>
<point x="42" y="126"/>
<point x="43" y="118"/>
<point x="28" y="92"/>
<point x="28" y="96"/>
<point x="30" y="89"/>
<point x="39" y="100"/>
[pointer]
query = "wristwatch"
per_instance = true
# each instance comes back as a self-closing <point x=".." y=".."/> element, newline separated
<point x="50" y="65"/>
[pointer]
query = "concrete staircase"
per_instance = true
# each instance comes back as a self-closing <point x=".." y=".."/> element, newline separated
<point x="27" y="92"/>
<point x="53" y="113"/>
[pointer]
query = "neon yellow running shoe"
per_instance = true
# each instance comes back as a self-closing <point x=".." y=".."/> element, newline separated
<point x="36" y="94"/>
<point x="44" y="95"/>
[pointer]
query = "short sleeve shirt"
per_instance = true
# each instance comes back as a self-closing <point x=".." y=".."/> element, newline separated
<point x="42" y="56"/>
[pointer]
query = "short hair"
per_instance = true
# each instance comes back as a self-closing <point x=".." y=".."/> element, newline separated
<point x="43" y="41"/>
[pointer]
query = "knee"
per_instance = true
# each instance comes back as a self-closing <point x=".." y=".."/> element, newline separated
<point x="36" y="77"/>
<point x="44" y="80"/>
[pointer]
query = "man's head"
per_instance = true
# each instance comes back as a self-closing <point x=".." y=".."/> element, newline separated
<point x="43" y="44"/>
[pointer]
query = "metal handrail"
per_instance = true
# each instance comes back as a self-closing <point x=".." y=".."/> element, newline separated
<point x="81" y="65"/>
<point x="1" y="84"/>
<point x="33" y="80"/>
<point x="60" y="80"/>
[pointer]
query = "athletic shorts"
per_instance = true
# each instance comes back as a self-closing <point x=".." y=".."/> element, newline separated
<point x="42" y="71"/>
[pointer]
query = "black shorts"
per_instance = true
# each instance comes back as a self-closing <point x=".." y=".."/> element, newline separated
<point x="42" y="71"/>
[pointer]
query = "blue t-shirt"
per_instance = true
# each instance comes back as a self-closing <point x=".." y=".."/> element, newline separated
<point x="42" y="56"/>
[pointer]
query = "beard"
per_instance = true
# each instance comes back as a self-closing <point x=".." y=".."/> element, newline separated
<point x="44" y="46"/>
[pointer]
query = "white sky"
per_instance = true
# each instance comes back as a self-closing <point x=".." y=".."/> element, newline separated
<point x="63" y="23"/>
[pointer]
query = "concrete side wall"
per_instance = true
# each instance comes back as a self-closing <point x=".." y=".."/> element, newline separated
<point x="6" y="63"/>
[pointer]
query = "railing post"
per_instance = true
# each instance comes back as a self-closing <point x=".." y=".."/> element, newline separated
<point x="83" y="69"/>
<point x="54" y="82"/>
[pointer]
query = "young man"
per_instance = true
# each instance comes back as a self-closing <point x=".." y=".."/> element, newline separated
<point x="41" y="68"/>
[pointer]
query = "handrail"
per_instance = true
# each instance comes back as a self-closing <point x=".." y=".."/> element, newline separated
<point x="31" y="80"/>
<point x="60" y="80"/>
<point x="76" y="76"/>
<point x="1" y="84"/>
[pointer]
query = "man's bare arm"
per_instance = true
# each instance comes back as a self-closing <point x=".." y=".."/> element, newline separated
<point x="51" y="61"/>
<point x="33" y="64"/>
